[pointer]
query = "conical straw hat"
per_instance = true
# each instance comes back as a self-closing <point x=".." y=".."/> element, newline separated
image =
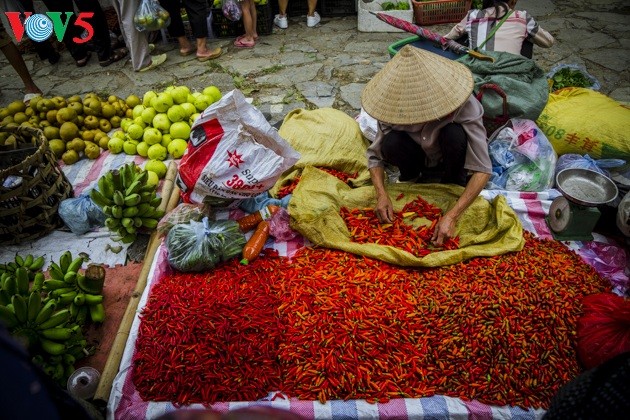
<point x="416" y="86"/>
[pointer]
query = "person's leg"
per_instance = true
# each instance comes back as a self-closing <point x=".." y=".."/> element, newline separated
<point x="100" y="40"/>
<point x="312" y="18"/>
<point x="197" y="15"/>
<point x="401" y="151"/>
<point x="136" y="41"/>
<point x="13" y="55"/>
<point x="454" y="143"/>
<point x="249" y="11"/>
<point x="280" y="20"/>
<point x="176" y="27"/>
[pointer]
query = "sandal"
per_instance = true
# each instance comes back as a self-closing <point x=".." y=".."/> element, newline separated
<point x="185" y="53"/>
<point x="82" y="62"/>
<point x="241" y="43"/>
<point x="213" y="54"/>
<point x="116" y="55"/>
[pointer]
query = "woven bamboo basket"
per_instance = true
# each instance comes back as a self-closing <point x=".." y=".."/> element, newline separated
<point x="31" y="187"/>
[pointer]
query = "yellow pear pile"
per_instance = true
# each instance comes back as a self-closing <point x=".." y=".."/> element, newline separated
<point x="75" y="127"/>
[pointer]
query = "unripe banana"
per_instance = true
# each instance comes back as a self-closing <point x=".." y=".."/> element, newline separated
<point x="119" y="198"/>
<point x="155" y="202"/>
<point x="21" y="275"/>
<point x="52" y="347"/>
<point x="38" y="281"/>
<point x="137" y="222"/>
<point x="7" y="315"/>
<point x="10" y="285"/>
<point x="79" y="299"/>
<point x="129" y="238"/>
<point x="97" y="312"/>
<point x="64" y="261"/>
<point x="56" y="319"/>
<point x="70" y="277"/>
<point x="5" y="297"/>
<point x="149" y="223"/>
<point x="99" y="199"/>
<point x="19" y="260"/>
<point x="34" y="305"/>
<point x="67" y="298"/>
<point x="37" y="263"/>
<point x="117" y="212"/>
<point x="55" y="271"/>
<point x="107" y="211"/>
<point x="131" y="211"/>
<point x="57" y="333"/>
<point x="133" y="189"/>
<point x="112" y="223"/>
<point x="19" y="308"/>
<point x="46" y="311"/>
<point x="76" y="264"/>
<point x="54" y="284"/>
<point x="28" y="260"/>
<point x="91" y="299"/>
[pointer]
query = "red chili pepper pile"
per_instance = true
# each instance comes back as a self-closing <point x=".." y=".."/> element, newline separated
<point x="288" y="188"/>
<point x="333" y="325"/>
<point x="366" y="229"/>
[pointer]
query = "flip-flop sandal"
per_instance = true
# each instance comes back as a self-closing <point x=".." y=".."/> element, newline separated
<point x="82" y="62"/>
<point x="117" y="55"/>
<point x="243" y="36"/>
<point x="240" y="43"/>
<point x="186" y="53"/>
<point x="211" y="56"/>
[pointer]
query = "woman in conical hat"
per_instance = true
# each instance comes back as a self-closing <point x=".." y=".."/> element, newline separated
<point x="429" y="125"/>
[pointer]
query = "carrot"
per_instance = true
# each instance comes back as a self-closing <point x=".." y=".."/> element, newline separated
<point x="249" y="222"/>
<point x="256" y="242"/>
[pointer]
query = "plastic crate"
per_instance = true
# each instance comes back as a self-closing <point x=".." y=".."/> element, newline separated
<point x="440" y="11"/>
<point x="222" y="27"/>
<point x="295" y="8"/>
<point x="330" y="8"/>
<point x="367" y="22"/>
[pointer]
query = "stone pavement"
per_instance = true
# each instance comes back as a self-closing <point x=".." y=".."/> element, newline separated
<point x="329" y="65"/>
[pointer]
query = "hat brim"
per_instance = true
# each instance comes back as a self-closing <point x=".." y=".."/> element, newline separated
<point x="417" y="86"/>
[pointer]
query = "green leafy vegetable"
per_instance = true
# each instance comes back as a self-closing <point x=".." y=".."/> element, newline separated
<point x="568" y="77"/>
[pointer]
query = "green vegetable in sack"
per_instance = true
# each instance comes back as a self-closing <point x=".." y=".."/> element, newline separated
<point x="200" y="246"/>
<point x="568" y="77"/>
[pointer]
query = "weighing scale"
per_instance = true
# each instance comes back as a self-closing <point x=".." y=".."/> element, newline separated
<point x="573" y="215"/>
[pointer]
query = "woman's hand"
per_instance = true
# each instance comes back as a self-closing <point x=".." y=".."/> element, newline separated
<point x="384" y="209"/>
<point x="444" y="229"/>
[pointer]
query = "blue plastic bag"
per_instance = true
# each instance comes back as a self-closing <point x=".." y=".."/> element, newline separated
<point x="80" y="214"/>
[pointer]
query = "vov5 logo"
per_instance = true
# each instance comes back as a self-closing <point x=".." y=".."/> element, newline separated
<point x="40" y="27"/>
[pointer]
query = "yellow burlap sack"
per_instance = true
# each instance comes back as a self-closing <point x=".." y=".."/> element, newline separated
<point x="484" y="229"/>
<point x="584" y="121"/>
<point x="324" y="137"/>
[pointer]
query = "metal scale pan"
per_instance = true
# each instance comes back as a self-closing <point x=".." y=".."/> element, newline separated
<point x="573" y="216"/>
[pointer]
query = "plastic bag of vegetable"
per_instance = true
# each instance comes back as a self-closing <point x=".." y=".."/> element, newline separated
<point x="571" y="75"/>
<point x="199" y="246"/>
<point x="80" y="214"/>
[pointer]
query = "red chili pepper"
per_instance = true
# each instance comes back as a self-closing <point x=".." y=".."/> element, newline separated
<point x="329" y="325"/>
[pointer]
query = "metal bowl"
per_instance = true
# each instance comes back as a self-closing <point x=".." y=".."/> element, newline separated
<point x="586" y="187"/>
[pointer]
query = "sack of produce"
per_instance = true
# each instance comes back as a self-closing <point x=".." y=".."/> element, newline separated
<point x="80" y="214"/>
<point x="522" y="158"/>
<point x="200" y="246"/>
<point x="150" y="16"/>
<point x="233" y="153"/>
<point x="571" y="75"/>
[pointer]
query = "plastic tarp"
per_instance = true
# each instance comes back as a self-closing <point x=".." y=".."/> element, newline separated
<point x="486" y="228"/>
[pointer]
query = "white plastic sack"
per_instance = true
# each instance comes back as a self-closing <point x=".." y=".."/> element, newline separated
<point x="368" y="125"/>
<point x="522" y="158"/>
<point x="233" y="153"/>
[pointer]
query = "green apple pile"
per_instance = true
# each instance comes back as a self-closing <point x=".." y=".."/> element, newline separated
<point x="159" y="125"/>
<point x="75" y="127"/>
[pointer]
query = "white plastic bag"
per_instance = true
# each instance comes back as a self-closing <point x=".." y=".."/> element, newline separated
<point x="233" y="153"/>
<point x="368" y="125"/>
<point x="150" y="16"/>
<point x="522" y="158"/>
